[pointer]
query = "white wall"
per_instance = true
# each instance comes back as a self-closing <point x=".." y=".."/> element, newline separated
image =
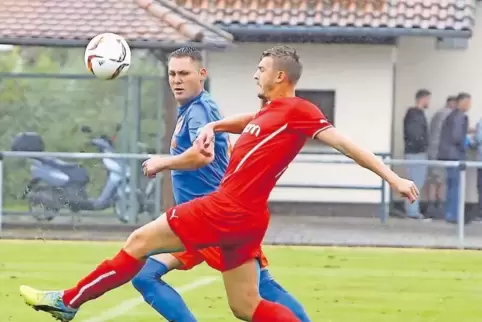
<point x="443" y="72"/>
<point x="361" y="75"/>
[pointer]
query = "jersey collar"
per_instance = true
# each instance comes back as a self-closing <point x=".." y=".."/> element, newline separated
<point x="184" y="107"/>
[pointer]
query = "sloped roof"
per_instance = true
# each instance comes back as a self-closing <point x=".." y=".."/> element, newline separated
<point x="74" y="23"/>
<point x="401" y="17"/>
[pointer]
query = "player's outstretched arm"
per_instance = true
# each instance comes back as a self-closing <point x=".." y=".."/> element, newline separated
<point x="234" y="124"/>
<point x="190" y="159"/>
<point x="368" y="160"/>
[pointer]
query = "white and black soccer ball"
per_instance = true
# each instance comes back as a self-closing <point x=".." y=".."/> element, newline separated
<point x="108" y="56"/>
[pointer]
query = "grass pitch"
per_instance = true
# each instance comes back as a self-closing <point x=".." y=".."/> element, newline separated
<point x="334" y="284"/>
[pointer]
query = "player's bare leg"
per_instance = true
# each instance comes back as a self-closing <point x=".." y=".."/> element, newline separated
<point x="154" y="237"/>
<point x="241" y="284"/>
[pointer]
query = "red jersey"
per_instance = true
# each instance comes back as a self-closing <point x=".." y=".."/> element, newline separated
<point x="267" y="146"/>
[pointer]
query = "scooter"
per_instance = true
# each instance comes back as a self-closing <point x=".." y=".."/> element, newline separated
<point x="57" y="184"/>
<point x="145" y="193"/>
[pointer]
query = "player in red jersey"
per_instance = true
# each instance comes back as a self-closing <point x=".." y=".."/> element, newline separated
<point x="234" y="218"/>
<point x="198" y="176"/>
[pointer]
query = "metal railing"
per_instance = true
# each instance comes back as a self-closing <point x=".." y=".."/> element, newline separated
<point x="302" y="158"/>
<point x="462" y="165"/>
<point x="310" y="157"/>
<point x="133" y="185"/>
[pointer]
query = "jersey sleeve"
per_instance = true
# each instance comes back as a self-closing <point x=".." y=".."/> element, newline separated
<point x="308" y="120"/>
<point x="198" y="118"/>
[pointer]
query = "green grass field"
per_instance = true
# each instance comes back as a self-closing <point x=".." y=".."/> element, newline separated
<point x="334" y="284"/>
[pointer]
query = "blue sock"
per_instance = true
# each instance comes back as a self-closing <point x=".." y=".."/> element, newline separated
<point x="162" y="297"/>
<point x="270" y="290"/>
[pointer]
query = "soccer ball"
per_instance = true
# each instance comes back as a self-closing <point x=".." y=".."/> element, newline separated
<point x="107" y="56"/>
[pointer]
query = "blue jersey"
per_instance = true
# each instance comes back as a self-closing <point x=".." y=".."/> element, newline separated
<point x="191" y="117"/>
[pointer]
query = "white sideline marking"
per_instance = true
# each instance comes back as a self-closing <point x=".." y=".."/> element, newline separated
<point x="127" y="305"/>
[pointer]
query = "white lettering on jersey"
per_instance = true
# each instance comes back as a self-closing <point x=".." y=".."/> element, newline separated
<point x="252" y="129"/>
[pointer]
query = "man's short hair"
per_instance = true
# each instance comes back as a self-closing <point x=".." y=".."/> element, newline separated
<point x="421" y="93"/>
<point x="286" y="59"/>
<point x="189" y="52"/>
<point x="463" y="95"/>
<point x="451" y="99"/>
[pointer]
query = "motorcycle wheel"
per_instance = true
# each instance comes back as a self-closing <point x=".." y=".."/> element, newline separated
<point x="42" y="213"/>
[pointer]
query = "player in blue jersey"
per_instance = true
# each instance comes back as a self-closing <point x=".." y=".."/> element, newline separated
<point x="194" y="175"/>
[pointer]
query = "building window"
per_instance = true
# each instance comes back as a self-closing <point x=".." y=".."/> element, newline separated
<point x="324" y="100"/>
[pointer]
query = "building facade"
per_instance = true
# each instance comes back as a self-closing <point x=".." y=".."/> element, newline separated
<point x="372" y="86"/>
<point x="361" y="78"/>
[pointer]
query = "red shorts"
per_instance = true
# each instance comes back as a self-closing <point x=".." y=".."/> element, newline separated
<point x="212" y="256"/>
<point x="217" y="221"/>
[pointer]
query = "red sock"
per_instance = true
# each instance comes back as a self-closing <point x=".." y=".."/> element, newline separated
<point x="108" y="275"/>
<point x="273" y="312"/>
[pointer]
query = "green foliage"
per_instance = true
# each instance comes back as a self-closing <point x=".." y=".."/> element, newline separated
<point x="56" y="108"/>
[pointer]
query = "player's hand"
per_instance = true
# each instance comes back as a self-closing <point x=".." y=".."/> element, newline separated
<point x="153" y="166"/>
<point x="406" y="188"/>
<point x="205" y="139"/>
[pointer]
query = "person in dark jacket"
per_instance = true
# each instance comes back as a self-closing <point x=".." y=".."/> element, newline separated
<point x="415" y="133"/>
<point x="453" y="148"/>
<point x="436" y="175"/>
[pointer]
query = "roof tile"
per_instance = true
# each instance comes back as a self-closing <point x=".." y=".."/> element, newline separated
<point x="75" y="20"/>
<point x="422" y="14"/>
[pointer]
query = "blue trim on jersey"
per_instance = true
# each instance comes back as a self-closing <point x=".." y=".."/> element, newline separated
<point x="191" y="117"/>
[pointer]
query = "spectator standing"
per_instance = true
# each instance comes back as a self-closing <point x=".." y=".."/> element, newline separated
<point x="477" y="140"/>
<point x="453" y="148"/>
<point x="436" y="175"/>
<point x="415" y="133"/>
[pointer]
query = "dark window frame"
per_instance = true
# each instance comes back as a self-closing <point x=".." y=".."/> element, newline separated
<point x="328" y="95"/>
